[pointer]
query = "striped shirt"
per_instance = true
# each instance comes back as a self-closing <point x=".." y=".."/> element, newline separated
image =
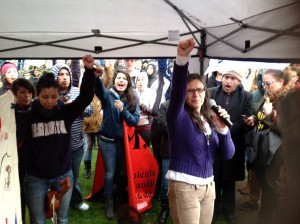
<point x="76" y="129"/>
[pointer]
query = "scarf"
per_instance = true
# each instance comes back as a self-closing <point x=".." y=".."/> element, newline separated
<point x="48" y="114"/>
<point x="274" y="98"/>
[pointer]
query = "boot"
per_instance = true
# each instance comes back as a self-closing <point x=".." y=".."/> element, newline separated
<point x="164" y="213"/>
<point x="109" y="208"/>
<point x="87" y="169"/>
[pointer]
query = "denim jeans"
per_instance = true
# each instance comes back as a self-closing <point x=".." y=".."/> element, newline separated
<point x="76" y="199"/>
<point x="36" y="189"/>
<point x="90" y="139"/>
<point x="164" y="181"/>
<point x="114" y="160"/>
<point x="191" y="203"/>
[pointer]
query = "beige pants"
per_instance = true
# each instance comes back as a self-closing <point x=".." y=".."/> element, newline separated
<point x="191" y="204"/>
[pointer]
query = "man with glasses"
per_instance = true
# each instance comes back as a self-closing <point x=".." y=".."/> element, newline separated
<point x="231" y="96"/>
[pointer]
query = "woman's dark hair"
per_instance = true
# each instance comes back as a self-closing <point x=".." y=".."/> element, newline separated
<point x="206" y="111"/>
<point x="214" y="73"/>
<point x="32" y="68"/>
<point x="153" y="66"/>
<point x="129" y="94"/>
<point x="21" y="82"/>
<point x="47" y="80"/>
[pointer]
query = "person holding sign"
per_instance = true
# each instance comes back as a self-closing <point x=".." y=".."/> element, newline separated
<point x="119" y="103"/>
<point x="196" y="134"/>
<point x="23" y="91"/>
<point x="9" y="73"/>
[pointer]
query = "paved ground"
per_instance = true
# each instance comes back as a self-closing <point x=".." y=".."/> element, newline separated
<point x="249" y="217"/>
<point x="242" y="217"/>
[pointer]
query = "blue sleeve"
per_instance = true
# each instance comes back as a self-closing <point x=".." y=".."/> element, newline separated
<point x="101" y="91"/>
<point x="132" y="119"/>
<point x="178" y="94"/>
<point x="226" y="147"/>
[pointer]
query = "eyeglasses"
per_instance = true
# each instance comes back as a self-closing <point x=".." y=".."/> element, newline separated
<point x="267" y="84"/>
<point x="198" y="90"/>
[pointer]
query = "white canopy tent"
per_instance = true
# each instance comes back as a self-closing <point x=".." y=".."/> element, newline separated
<point x="256" y="30"/>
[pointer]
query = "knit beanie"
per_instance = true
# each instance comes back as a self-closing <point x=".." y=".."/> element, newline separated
<point x="236" y="73"/>
<point x="57" y="67"/>
<point x="6" y="66"/>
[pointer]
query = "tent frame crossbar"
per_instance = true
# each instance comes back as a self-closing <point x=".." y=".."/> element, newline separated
<point x="278" y="34"/>
<point x="289" y="32"/>
<point x="185" y="19"/>
<point x="202" y="29"/>
<point x="140" y="42"/>
<point x="202" y="45"/>
<point x="95" y="34"/>
<point x="221" y="39"/>
<point x="50" y="43"/>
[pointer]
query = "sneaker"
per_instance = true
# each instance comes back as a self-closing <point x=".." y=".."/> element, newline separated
<point x="84" y="207"/>
<point x="248" y="206"/>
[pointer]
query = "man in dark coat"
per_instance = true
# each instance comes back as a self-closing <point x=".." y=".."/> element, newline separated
<point x="236" y="101"/>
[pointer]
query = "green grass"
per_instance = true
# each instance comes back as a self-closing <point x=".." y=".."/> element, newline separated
<point x="95" y="214"/>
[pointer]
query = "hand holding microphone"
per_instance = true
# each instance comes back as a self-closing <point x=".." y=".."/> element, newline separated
<point x="221" y="113"/>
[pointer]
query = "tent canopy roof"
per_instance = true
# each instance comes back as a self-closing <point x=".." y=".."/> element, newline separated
<point x="258" y="30"/>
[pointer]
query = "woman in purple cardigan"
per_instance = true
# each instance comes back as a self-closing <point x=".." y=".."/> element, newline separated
<point x="196" y="134"/>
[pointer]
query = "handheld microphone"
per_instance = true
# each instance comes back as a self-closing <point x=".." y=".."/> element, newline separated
<point x="215" y="108"/>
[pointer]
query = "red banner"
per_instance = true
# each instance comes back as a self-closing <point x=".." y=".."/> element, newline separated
<point x="98" y="177"/>
<point x="142" y="170"/>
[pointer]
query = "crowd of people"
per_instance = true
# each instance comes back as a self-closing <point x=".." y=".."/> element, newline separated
<point x="200" y="156"/>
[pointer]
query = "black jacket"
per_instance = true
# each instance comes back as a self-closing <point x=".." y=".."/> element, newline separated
<point x="240" y="103"/>
<point x="49" y="143"/>
<point x="162" y="123"/>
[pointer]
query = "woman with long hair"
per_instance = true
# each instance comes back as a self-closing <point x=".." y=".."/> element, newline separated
<point x="196" y="134"/>
<point x="119" y="103"/>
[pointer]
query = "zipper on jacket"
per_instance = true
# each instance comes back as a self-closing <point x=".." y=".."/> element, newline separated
<point x="208" y="137"/>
